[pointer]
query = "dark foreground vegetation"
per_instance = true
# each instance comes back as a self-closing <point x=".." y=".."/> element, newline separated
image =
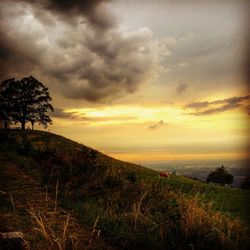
<point x="130" y="206"/>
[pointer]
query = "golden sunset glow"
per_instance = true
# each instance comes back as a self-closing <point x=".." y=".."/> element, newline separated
<point x="159" y="132"/>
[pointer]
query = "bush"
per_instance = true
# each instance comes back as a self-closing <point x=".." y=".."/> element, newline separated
<point x="246" y="183"/>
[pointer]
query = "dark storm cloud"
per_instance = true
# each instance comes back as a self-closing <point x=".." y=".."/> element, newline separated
<point x="93" y="10"/>
<point x="76" y="6"/>
<point x="218" y="106"/>
<point x="16" y="58"/>
<point x="111" y="66"/>
<point x="157" y="125"/>
<point x="97" y="62"/>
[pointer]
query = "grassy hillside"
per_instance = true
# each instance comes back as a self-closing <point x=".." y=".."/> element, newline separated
<point x="132" y="206"/>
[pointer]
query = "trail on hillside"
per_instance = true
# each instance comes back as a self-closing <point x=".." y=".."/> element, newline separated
<point x="25" y="205"/>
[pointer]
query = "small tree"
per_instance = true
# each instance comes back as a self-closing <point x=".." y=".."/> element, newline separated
<point x="220" y="176"/>
<point x="25" y="100"/>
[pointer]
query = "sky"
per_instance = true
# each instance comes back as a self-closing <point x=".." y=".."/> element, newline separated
<point x="138" y="80"/>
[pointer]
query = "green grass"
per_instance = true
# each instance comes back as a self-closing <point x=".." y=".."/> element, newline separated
<point x="134" y="207"/>
<point x="233" y="201"/>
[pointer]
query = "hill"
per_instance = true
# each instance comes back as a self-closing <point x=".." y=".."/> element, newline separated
<point x="129" y="206"/>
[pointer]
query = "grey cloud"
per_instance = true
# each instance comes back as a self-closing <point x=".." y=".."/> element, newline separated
<point x="182" y="87"/>
<point x="82" y="61"/>
<point x="191" y="47"/>
<point x="116" y="66"/>
<point x="14" y="59"/>
<point x="157" y="125"/>
<point x="95" y="11"/>
<point x="45" y="18"/>
<point x="213" y="59"/>
<point x="197" y="105"/>
<point x="77" y="6"/>
<point x="60" y="113"/>
<point x="208" y="108"/>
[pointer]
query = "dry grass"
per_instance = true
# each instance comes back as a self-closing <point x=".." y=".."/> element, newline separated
<point x="95" y="233"/>
<point x="51" y="233"/>
<point x="137" y="209"/>
<point x="198" y="219"/>
<point x="12" y="201"/>
<point x="56" y="195"/>
<point x="54" y="234"/>
<point x="54" y="230"/>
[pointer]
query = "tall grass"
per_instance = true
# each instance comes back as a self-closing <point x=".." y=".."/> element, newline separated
<point x="203" y="227"/>
<point x="51" y="233"/>
<point x="56" y="230"/>
<point x="153" y="216"/>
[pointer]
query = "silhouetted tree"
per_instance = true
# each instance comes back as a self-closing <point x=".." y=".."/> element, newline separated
<point x="246" y="183"/>
<point x="25" y="100"/>
<point x="220" y="176"/>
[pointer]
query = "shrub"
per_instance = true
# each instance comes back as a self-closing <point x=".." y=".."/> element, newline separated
<point x="246" y="183"/>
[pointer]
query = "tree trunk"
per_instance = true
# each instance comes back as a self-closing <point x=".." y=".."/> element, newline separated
<point x="23" y="125"/>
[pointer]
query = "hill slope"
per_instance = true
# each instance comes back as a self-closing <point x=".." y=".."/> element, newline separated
<point x="27" y="207"/>
<point x="132" y="207"/>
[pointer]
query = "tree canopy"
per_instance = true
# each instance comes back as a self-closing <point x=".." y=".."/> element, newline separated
<point x="220" y="176"/>
<point x="25" y="100"/>
<point x="246" y="183"/>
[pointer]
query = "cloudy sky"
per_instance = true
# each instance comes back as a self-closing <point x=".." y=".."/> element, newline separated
<point x="138" y="80"/>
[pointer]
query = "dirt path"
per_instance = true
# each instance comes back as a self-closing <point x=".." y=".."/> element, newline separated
<point x="25" y="205"/>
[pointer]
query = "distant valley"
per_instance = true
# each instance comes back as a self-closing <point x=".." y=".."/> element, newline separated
<point x="201" y="168"/>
